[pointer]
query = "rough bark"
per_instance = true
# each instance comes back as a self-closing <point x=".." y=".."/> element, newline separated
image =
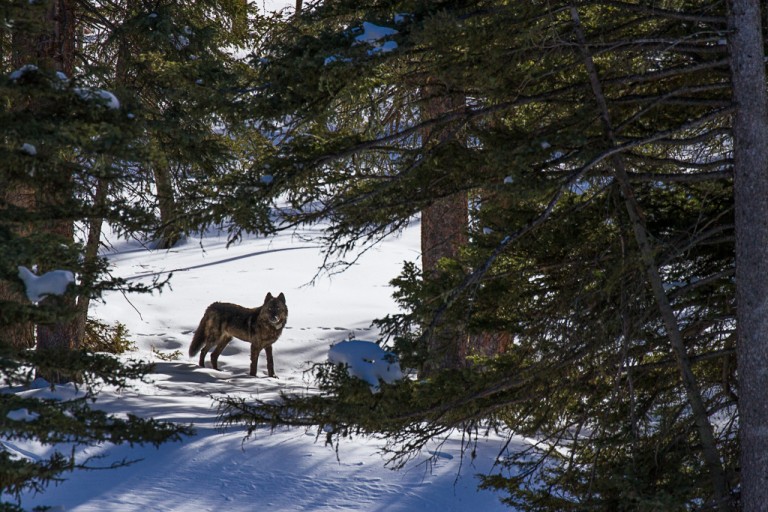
<point x="443" y="233"/>
<point x="52" y="48"/>
<point x="750" y="155"/>
<point x="693" y="393"/>
<point x="55" y="51"/>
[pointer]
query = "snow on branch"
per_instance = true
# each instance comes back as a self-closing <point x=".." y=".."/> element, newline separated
<point x="54" y="282"/>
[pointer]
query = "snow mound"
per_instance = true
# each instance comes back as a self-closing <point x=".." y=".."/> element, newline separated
<point x="105" y="98"/>
<point x="54" y="282"/>
<point x="367" y="361"/>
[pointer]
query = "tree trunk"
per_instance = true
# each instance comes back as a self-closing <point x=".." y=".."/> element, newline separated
<point x="443" y="233"/>
<point x="19" y="335"/>
<point x="52" y="48"/>
<point x="90" y="257"/>
<point x="58" y="336"/>
<point x="16" y="334"/>
<point x="168" y="233"/>
<point x="750" y="155"/>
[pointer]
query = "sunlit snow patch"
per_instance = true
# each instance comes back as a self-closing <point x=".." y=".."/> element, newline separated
<point x="367" y="361"/>
<point x="54" y="282"/>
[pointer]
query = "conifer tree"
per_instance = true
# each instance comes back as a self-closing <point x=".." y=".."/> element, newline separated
<point x="601" y="238"/>
<point x="184" y="63"/>
<point x="74" y="144"/>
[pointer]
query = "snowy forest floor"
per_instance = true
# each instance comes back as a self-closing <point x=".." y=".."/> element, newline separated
<point x="285" y="470"/>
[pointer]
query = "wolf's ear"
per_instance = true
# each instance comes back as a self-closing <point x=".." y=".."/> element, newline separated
<point x="281" y="297"/>
<point x="268" y="297"/>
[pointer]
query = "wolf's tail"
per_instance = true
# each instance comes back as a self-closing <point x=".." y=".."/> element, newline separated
<point x="198" y="340"/>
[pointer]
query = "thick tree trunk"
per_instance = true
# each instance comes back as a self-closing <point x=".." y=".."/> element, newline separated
<point x="443" y="233"/>
<point x="62" y="335"/>
<point x="16" y="334"/>
<point x="52" y="48"/>
<point x="750" y="155"/>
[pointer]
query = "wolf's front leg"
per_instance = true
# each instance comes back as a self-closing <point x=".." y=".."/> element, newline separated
<point x="255" y="351"/>
<point x="270" y="362"/>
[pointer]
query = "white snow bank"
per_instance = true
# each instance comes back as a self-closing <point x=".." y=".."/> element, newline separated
<point x="367" y="361"/>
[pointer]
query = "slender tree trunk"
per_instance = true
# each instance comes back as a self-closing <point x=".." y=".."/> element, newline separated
<point x="169" y="232"/>
<point x="704" y="428"/>
<point x="750" y="155"/>
<point x="90" y="257"/>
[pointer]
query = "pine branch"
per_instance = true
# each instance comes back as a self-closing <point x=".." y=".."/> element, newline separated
<point x="693" y="392"/>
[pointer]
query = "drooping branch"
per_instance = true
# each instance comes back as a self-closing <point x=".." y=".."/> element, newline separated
<point x="647" y="251"/>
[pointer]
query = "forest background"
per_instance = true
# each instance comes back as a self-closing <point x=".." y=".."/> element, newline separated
<point x="589" y="177"/>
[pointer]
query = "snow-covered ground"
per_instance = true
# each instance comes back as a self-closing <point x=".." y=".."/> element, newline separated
<point x="287" y="470"/>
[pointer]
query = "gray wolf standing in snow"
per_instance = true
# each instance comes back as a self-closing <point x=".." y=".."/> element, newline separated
<point x="260" y="326"/>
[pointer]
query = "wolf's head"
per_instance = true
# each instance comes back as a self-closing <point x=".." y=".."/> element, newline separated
<point x="275" y="310"/>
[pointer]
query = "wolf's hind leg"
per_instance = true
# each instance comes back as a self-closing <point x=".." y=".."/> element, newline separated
<point x="203" y="352"/>
<point x="223" y="341"/>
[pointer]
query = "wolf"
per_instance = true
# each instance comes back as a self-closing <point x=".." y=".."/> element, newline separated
<point x="260" y="326"/>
